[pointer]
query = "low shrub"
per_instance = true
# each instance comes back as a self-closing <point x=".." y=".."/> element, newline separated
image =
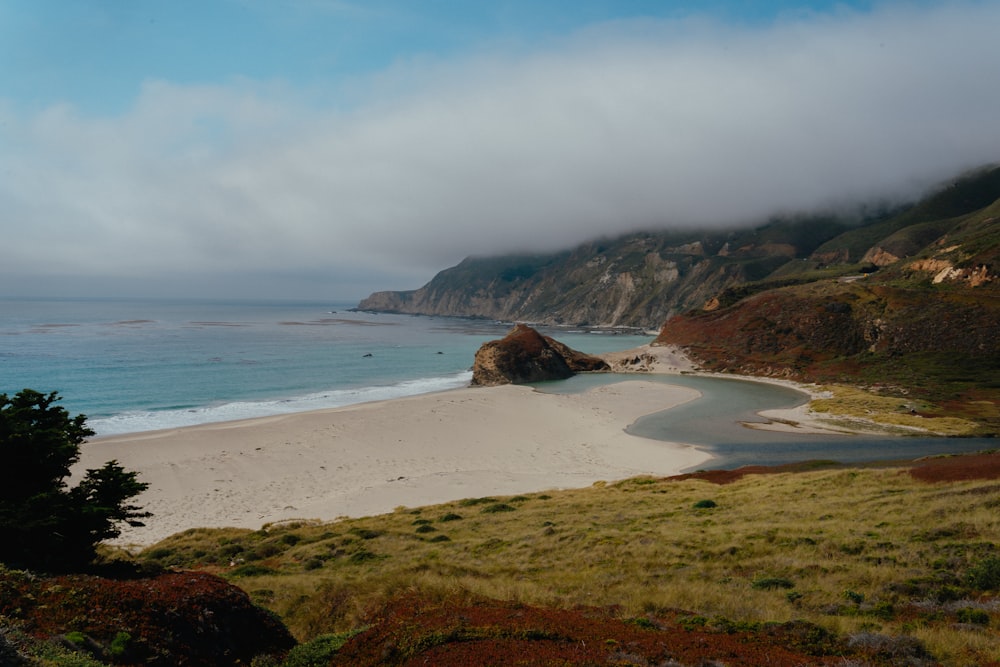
<point x="854" y="596"/>
<point x="252" y="570"/>
<point x="985" y="575"/>
<point x="771" y="583"/>
<point x="498" y="507"/>
<point x="318" y="652"/>
<point x="227" y="551"/>
<point x="366" y="534"/>
<point x="119" y="645"/>
<point x="705" y="504"/>
<point x="262" y="551"/>
<point x="160" y="553"/>
<point x="973" y="616"/>
<point x="469" y="502"/>
<point x="362" y="556"/>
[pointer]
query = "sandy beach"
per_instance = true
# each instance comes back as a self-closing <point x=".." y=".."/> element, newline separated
<point x="372" y="458"/>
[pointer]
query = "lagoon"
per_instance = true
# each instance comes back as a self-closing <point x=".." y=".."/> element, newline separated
<point x="713" y="423"/>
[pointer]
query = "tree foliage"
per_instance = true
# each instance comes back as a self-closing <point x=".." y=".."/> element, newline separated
<point x="44" y="524"/>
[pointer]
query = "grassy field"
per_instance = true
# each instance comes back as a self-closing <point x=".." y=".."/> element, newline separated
<point x="861" y="552"/>
<point x="906" y="414"/>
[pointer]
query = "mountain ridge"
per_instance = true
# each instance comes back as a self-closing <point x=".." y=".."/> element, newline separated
<point x="645" y="278"/>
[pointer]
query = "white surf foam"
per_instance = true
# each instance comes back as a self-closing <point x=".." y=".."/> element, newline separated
<point x="154" y="420"/>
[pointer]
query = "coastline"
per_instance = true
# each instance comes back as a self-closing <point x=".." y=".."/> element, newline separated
<point x="671" y="360"/>
<point x="371" y="458"/>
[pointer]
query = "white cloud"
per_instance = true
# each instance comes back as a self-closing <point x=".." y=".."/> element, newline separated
<point x="623" y="126"/>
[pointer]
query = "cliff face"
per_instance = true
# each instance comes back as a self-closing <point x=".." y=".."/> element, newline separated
<point x="926" y="321"/>
<point x="642" y="280"/>
<point x="637" y="280"/>
<point x="524" y="355"/>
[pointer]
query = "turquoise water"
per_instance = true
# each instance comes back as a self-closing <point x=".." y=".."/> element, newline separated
<point x="714" y="423"/>
<point x="133" y="365"/>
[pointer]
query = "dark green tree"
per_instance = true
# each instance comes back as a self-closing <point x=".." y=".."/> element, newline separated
<point x="44" y="524"/>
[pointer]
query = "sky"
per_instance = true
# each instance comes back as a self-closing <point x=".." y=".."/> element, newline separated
<point x="326" y="149"/>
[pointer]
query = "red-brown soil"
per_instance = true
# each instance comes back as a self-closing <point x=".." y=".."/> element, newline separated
<point x="730" y="476"/>
<point x="933" y="469"/>
<point x="412" y="630"/>
<point x="957" y="468"/>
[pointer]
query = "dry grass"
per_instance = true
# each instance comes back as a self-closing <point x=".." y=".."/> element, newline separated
<point x="891" y="411"/>
<point x="856" y="551"/>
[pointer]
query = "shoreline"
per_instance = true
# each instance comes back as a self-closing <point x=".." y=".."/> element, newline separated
<point x="371" y="458"/>
<point x="671" y="360"/>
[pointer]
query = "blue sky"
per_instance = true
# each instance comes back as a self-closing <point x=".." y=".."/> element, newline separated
<point x="328" y="148"/>
<point x="96" y="54"/>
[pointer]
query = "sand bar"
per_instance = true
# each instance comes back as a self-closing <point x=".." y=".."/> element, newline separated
<point x="371" y="458"/>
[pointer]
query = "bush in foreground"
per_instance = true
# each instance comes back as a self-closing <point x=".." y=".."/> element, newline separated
<point x="44" y="525"/>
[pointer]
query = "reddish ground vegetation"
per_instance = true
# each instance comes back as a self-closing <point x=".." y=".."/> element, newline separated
<point x="934" y="469"/>
<point x="178" y="618"/>
<point x="730" y="476"/>
<point x="411" y="630"/>
<point x="957" y="468"/>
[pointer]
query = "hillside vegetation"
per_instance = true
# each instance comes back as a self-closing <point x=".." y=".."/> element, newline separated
<point x="920" y="322"/>
<point x="905" y="303"/>
<point x="643" y="279"/>
<point x="832" y="565"/>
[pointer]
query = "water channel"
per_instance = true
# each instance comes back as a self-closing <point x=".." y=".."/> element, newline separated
<point x="714" y="422"/>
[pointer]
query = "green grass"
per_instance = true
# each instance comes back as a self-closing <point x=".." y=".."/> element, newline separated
<point x="854" y="551"/>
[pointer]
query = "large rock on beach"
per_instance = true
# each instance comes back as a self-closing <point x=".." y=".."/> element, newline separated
<point x="524" y="356"/>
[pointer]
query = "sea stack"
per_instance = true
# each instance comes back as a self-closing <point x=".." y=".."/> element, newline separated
<point x="524" y="356"/>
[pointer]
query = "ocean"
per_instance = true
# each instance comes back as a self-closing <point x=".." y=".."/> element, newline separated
<point x="138" y="365"/>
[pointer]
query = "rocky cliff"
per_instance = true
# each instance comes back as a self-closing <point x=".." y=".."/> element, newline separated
<point x="524" y="355"/>
<point x="924" y="319"/>
<point x="637" y="280"/>
<point x="643" y="279"/>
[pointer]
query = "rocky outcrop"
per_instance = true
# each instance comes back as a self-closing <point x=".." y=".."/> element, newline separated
<point x="176" y="618"/>
<point x="879" y="256"/>
<point x="524" y="356"/>
<point x="944" y="271"/>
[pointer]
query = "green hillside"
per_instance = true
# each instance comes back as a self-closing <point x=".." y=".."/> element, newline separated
<point x="885" y="568"/>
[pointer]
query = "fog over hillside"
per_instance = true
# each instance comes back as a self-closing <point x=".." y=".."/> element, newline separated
<point x="264" y="187"/>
